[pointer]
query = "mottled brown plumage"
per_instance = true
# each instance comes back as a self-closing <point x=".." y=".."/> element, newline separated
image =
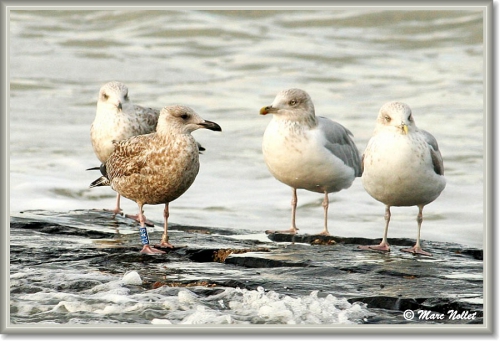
<point x="157" y="168"/>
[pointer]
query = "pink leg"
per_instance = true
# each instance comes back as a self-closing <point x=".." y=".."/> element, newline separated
<point x="117" y="209"/>
<point x="146" y="249"/>
<point x="384" y="245"/>
<point x="293" y="229"/>
<point x="417" y="249"/>
<point x="149" y="250"/>
<point x="136" y="218"/>
<point x="164" y="238"/>
<point x="326" y="203"/>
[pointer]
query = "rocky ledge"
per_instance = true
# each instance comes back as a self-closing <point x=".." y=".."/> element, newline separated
<point x="449" y="282"/>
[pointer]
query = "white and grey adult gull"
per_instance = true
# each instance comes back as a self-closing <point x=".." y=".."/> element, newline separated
<point x="157" y="168"/>
<point x="402" y="166"/>
<point x="305" y="151"/>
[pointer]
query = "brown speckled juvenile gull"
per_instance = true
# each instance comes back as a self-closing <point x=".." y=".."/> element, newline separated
<point x="157" y="168"/>
<point x="117" y="119"/>
<point x="402" y="166"/>
<point x="306" y="151"/>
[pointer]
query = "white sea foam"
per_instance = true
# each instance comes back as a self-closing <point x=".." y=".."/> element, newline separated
<point x="160" y="321"/>
<point x="116" y="299"/>
<point x="132" y="278"/>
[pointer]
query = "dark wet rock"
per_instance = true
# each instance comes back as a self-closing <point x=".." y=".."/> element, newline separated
<point x="217" y="255"/>
<point x="389" y="303"/>
<point x="475" y="253"/>
<point x="28" y="289"/>
<point x="260" y="262"/>
<point x="52" y="228"/>
<point x="330" y="240"/>
<point x="78" y="285"/>
<point x="206" y="260"/>
<point x="303" y="238"/>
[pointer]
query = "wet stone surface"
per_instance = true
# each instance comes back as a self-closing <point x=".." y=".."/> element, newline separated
<point x="208" y="260"/>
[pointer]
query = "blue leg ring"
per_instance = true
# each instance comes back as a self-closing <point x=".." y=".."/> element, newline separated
<point x="144" y="235"/>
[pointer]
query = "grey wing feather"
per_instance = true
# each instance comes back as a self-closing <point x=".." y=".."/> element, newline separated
<point x="340" y="143"/>
<point x="148" y="118"/>
<point x="437" y="159"/>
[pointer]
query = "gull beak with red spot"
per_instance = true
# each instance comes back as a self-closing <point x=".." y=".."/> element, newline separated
<point x="268" y="110"/>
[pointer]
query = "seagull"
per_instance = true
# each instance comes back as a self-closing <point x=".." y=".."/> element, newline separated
<point x="156" y="168"/>
<point x="305" y="151"/>
<point x="402" y="166"/>
<point x="117" y="119"/>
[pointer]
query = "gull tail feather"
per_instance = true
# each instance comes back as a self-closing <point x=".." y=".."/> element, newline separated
<point x="102" y="181"/>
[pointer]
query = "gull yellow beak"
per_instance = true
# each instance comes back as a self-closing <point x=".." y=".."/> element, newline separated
<point x="268" y="110"/>
<point x="405" y="128"/>
<point x="264" y="110"/>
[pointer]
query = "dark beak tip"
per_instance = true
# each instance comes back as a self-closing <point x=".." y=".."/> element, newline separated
<point x="212" y="126"/>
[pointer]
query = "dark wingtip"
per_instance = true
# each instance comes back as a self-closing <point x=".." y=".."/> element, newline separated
<point x="200" y="147"/>
<point x="102" y="181"/>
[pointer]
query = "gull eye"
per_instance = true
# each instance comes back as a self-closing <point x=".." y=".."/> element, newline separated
<point x="184" y="116"/>
<point x="105" y="96"/>
<point x="292" y="102"/>
<point x="387" y="118"/>
<point x="410" y="118"/>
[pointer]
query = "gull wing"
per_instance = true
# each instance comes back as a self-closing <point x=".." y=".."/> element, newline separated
<point x="147" y="119"/>
<point x="340" y="143"/>
<point x="129" y="156"/>
<point x="437" y="159"/>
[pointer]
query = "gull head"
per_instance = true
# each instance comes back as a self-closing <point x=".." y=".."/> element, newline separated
<point x="291" y="104"/>
<point x="183" y="120"/>
<point x="397" y="116"/>
<point x="114" y="94"/>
